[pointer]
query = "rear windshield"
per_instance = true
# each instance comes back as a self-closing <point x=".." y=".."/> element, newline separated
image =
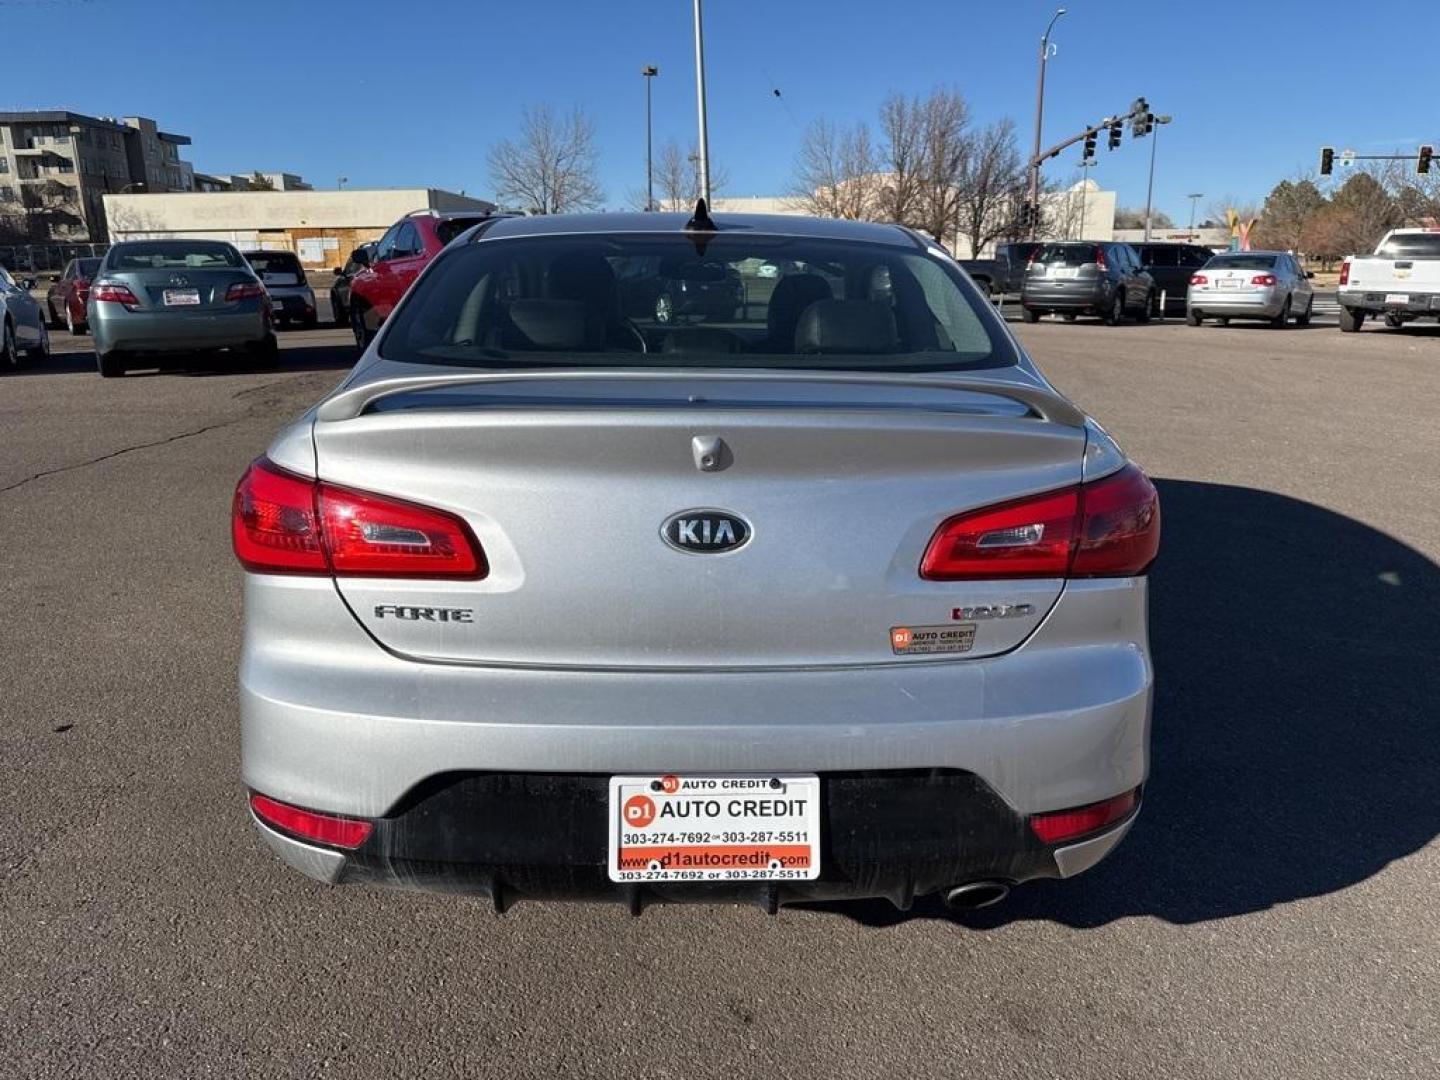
<point x="273" y="262"/>
<point x="168" y="254"/>
<point x="449" y="228"/>
<point x="1420" y="245"/>
<point x="1241" y="262"/>
<point x="86" y="267"/>
<point x="728" y="301"/>
<point x="1067" y="254"/>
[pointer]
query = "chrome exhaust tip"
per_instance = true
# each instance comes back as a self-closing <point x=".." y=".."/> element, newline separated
<point x="976" y="894"/>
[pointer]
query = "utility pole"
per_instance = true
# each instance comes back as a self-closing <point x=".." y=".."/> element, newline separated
<point x="649" y="71"/>
<point x="1150" y="188"/>
<point x="1194" y="197"/>
<point x="1034" y="195"/>
<point x="700" y="103"/>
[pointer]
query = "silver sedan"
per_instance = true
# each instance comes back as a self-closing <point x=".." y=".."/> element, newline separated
<point x="830" y="596"/>
<point x="1268" y="285"/>
<point x="22" y="325"/>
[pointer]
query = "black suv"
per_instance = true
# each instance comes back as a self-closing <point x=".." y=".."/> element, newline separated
<point x="1171" y="265"/>
<point x="1083" y="277"/>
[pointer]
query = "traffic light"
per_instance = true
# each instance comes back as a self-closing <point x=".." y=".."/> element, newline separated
<point x="1422" y="163"/>
<point x="1117" y="132"/>
<point x="1327" y="160"/>
<point x="1089" y="154"/>
<point x="1140" y="117"/>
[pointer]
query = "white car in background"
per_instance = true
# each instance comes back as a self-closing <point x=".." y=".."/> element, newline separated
<point x="22" y="323"/>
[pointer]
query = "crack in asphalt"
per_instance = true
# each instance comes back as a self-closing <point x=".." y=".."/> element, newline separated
<point x="117" y="453"/>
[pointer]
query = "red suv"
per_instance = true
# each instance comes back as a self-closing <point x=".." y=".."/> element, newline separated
<point x="399" y="257"/>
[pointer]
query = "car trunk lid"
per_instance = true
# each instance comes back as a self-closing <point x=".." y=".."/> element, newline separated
<point x="570" y="485"/>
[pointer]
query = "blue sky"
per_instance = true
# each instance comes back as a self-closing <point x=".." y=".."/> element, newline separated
<point x="414" y="94"/>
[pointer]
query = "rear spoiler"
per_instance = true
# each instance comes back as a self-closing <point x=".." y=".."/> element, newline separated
<point x="1043" y="402"/>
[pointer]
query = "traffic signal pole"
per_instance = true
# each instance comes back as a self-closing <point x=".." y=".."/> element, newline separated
<point x="1141" y="119"/>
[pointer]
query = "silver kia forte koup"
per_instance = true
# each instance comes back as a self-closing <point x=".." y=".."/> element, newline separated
<point x="822" y="594"/>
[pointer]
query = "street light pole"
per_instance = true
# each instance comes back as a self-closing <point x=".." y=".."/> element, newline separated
<point x="1150" y="188"/>
<point x="1194" y="197"/>
<point x="700" y="104"/>
<point x="649" y="71"/>
<point x="1034" y="196"/>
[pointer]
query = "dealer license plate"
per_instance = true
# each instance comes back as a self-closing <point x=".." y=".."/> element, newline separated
<point x="753" y="827"/>
<point x="1397" y="298"/>
<point x="182" y="297"/>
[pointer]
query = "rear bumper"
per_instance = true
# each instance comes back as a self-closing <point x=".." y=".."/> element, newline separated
<point x="1260" y="304"/>
<point x="1079" y="297"/>
<point x="114" y="328"/>
<point x="897" y="834"/>
<point x="333" y="723"/>
<point x="1416" y="303"/>
<point x="298" y="303"/>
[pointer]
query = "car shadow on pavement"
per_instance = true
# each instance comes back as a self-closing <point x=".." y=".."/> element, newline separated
<point x="294" y="356"/>
<point x="1296" y="738"/>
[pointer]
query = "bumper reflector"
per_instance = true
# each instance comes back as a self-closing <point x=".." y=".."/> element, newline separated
<point x="341" y="832"/>
<point x="1061" y="825"/>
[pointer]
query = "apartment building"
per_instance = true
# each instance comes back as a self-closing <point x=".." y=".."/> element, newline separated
<point x="56" y="166"/>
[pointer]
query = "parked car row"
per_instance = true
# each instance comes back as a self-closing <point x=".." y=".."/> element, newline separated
<point x="1116" y="281"/>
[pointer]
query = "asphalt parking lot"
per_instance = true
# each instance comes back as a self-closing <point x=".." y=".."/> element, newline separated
<point x="1272" y="914"/>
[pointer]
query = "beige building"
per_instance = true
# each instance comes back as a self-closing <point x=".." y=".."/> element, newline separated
<point x="1082" y="212"/>
<point x="322" y="227"/>
<point x="56" y="167"/>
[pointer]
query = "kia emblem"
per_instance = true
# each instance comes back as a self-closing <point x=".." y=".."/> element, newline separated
<point x="705" y="532"/>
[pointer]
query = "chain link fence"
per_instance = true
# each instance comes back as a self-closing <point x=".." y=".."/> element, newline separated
<point x="45" y="258"/>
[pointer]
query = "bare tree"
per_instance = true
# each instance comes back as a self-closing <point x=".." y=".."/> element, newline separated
<point x="1128" y="217"/>
<point x="552" y="167"/>
<point x="677" y="178"/>
<point x="1062" y="211"/>
<point x="946" y="147"/>
<point x="991" y="186"/>
<point x="835" y="172"/>
<point x="902" y="160"/>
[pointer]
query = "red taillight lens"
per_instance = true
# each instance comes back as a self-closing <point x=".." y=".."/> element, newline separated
<point x="1100" y="258"/>
<point x="1119" y="532"/>
<point x="1108" y="528"/>
<point x="114" y="294"/>
<point x="1027" y="538"/>
<point x="1062" y="825"/>
<point x="285" y="524"/>
<point x="244" y="290"/>
<point x="1199" y="279"/>
<point x="1263" y="279"/>
<point x="382" y="537"/>
<point x="273" y="522"/>
<point x="332" y="829"/>
<point x="1345" y="272"/>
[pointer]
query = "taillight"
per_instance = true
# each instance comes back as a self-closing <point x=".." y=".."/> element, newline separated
<point x="1061" y="825"/>
<point x="244" y="290"/>
<point x="332" y="829"/>
<point x="378" y="536"/>
<point x="107" y="293"/>
<point x="285" y="524"/>
<point x="1100" y="258"/>
<point x="1199" y="279"/>
<point x="1108" y="528"/>
<point x="1263" y="279"/>
<point x="1345" y="272"/>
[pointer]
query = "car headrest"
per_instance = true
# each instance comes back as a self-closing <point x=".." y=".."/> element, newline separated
<point x="700" y="339"/>
<point x="584" y="276"/>
<point x="792" y="295"/>
<point x="847" y="326"/>
<point x="554" y="324"/>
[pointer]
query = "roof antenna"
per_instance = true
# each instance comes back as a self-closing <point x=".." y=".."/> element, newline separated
<point x="701" y="221"/>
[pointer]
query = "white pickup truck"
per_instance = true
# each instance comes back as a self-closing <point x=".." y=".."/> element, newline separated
<point x="1401" y="281"/>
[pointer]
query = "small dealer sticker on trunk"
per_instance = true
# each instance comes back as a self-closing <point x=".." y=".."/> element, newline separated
<point x="714" y="828"/>
<point x="919" y="640"/>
